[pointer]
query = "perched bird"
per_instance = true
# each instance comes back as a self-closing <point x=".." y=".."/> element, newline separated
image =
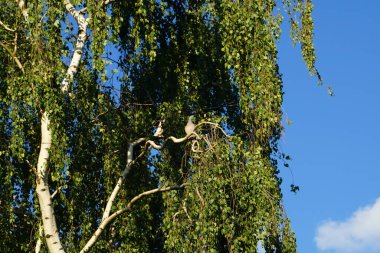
<point x="189" y="128"/>
<point x="159" y="130"/>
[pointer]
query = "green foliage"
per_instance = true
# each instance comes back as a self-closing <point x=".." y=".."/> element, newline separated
<point x="216" y="60"/>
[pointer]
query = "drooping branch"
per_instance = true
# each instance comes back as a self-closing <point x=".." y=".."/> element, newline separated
<point x="113" y="216"/>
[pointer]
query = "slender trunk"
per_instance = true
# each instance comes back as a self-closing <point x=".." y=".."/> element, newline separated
<point x="47" y="211"/>
<point x="50" y="228"/>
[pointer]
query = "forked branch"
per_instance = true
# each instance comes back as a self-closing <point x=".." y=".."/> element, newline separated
<point x="107" y="216"/>
<point x="113" y="216"/>
<point x="120" y="182"/>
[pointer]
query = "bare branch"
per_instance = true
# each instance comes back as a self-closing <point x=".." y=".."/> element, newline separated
<point x="120" y="182"/>
<point x="7" y="27"/>
<point x="179" y="140"/>
<point x="83" y="10"/>
<point x="159" y="131"/>
<point x="108" y="1"/>
<point x="109" y="219"/>
<point x="154" y="145"/>
<point x="55" y="192"/>
<point x="192" y="134"/>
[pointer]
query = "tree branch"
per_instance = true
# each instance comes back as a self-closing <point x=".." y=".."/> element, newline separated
<point x="13" y="56"/>
<point x="109" y="219"/>
<point x="212" y="124"/>
<point x="39" y="241"/>
<point x="42" y="189"/>
<point x="81" y="38"/>
<point x="108" y="2"/>
<point x="130" y="162"/>
<point x="50" y="228"/>
<point x="179" y="140"/>
<point x="55" y="192"/>
<point x="7" y="27"/>
<point x="120" y="182"/>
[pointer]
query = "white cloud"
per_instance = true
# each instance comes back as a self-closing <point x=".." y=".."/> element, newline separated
<point x="359" y="233"/>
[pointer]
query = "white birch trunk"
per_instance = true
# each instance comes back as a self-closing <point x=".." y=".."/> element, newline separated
<point x="50" y="228"/>
<point x="47" y="212"/>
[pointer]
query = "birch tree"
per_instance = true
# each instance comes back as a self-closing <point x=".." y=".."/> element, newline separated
<point x="94" y="101"/>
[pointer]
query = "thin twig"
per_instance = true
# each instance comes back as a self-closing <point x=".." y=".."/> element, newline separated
<point x="200" y="196"/>
<point x="187" y="214"/>
<point x="15" y="44"/>
<point x="108" y="1"/>
<point x="213" y="124"/>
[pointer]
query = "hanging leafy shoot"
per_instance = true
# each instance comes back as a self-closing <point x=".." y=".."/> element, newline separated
<point x="144" y="125"/>
<point x="302" y="31"/>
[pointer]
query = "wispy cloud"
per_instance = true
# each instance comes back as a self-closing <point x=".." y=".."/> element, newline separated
<point x="359" y="233"/>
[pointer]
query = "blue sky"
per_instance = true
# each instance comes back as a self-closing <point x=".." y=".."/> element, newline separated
<point x="334" y="141"/>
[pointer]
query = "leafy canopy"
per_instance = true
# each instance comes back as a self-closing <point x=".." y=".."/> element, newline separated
<point x="147" y="61"/>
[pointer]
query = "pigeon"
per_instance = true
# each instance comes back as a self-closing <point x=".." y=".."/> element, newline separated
<point x="189" y="128"/>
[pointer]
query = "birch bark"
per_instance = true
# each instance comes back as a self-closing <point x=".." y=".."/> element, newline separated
<point x="50" y="228"/>
<point x="47" y="212"/>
